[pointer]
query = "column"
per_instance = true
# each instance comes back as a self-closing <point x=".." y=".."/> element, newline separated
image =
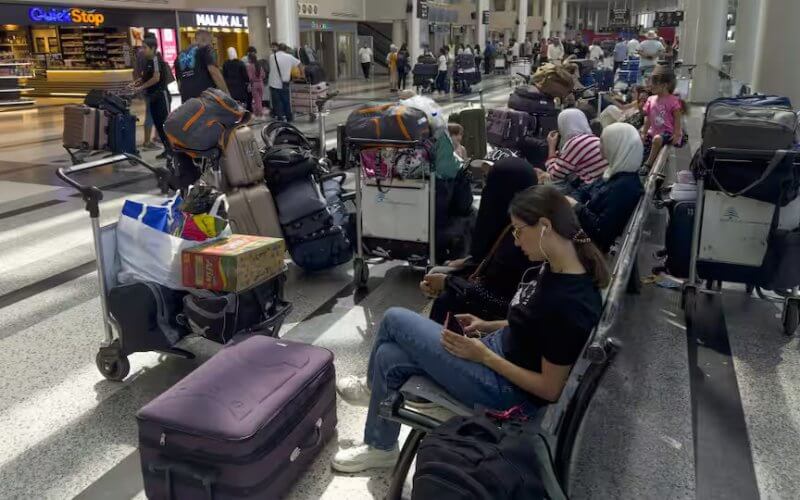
<point x="775" y="69"/>
<point x="480" y="28"/>
<point x="596" y="25"/>
<point x="522" y="20"/>
<point x="257" y="30"/>
<point x="578" y="16"/>
<point x="564" y="18"/>
<point x="548" y="18"/>
<point x="508" y="34"/>
<point x="398" y="32"/>
<point x="708" y="49"/>
<point x="414" y="33"/>
<point x="747" y="17"/>
<point x="286" y="21"/>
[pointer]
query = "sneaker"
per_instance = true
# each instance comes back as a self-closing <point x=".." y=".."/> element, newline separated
<point x="354" y="390"/>
<point x="362" y="457"/>
<point x="149" y="146"/>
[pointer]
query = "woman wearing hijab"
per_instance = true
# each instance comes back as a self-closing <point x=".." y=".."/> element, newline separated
<point x="236" y="78"/>
<point x="604" y="207"/>
<point x="580" y="159"/>
<point x="484" y="283"/>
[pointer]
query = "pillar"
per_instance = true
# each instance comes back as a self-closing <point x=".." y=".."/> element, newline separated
<point x="286" y="20"/>
<point x="548" y="19"/>
<point x="747" y="17"/>
<point x="257" y="30"/>
<point x="773" y="70"/>
<point x="414" y="33"/>
<point x="578" y="15"/>
<point x="522" y="20"/>
<point x="564" y="17"/>
<point x="398" y="32"/>
<point x="596" y="25"/>
<point x="709" y="39"/>
<point x="480" y="28"/>
<point x="508" y="34"/>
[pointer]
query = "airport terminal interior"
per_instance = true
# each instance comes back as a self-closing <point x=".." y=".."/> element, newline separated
<point x="220" y="350"/>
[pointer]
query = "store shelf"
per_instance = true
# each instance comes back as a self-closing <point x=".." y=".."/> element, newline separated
<point x="15" y="64"/>
<point x="20" y="90"/>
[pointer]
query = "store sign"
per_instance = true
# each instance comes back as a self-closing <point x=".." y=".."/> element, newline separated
<point x="315" y="25"/>
<point x="485" y="19"/>
<point x="221" y="20"/>
<point x="308" y="9"/>
<point x="422" y="9"/>
<point x="620" y="17"/>
<point x="65" y="16"/>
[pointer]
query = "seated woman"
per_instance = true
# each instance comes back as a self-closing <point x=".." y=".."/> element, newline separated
<point x="579" y="160"/>
<point x="484" y="283"/>
<point x="527" y="358"/>
<point x="604" y="207"/>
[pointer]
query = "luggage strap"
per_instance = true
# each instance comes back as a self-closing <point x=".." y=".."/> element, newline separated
<point x="776" y="160"/>
<point x="206" y="478"/>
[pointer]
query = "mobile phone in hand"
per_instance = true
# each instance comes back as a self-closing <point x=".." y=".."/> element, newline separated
<point x="452" y="324"/>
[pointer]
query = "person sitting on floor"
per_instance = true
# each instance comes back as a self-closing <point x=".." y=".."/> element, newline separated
<point x="524" y="360"/>
<point x="626" y="112"/>
<point x="580" y="159"/>
<point x="484" y="282"/>
<point x="604" y="207"/>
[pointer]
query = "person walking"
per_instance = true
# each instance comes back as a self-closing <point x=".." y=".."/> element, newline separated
<point x="441" y="76"/>
<point x="139" y="67"/>
<point x="555" y="51"/>
<point x="196" y="68"/>
<point x="391" y="61"/>
<point x="236" y="78"/>
<point x="620" y="53"/>
<point x="478" y="57"/>
<point x="255" y="74"/>
<point x="153" y="85"/>
<point x="403" y="66"/>
<point x="365" y="56"/>
<point x="280" y="73"/>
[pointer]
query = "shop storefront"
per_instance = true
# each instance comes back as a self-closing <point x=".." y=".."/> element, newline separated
<point x="227" y="30"/>
<point x="335" y="43"/>
<point x="74" y="49"/>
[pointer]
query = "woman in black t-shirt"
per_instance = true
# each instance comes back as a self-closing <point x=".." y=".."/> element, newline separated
<point x="524" y="360"/>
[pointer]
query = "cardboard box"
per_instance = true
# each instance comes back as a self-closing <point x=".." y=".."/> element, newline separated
<point x="233" y="264"/>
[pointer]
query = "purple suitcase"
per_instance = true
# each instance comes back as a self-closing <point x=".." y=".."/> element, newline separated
<point x="244" y="425"/>
<point x="505" y="128"/>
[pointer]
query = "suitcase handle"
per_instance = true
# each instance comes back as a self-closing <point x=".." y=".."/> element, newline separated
<point x="205" y="477"/>
<point x="315" y="442"/>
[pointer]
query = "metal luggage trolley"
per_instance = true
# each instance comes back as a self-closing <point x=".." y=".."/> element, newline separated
<point x="382" y="225"/>
<point x="724" y="252"/>
<point x="112" y="357"/>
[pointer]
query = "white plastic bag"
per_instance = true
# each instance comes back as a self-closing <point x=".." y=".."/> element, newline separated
<point x="147" y="254"/>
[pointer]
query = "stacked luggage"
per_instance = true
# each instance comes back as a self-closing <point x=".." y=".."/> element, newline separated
<point x="425" y="72"/>
<point x="465" y="73"/>
<point x="102" y="122"/>
<point x="304" y="97"/>
<point x="628" y="74"/>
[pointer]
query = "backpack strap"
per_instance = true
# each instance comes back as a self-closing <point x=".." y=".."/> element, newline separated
<point x="476" y="275"/>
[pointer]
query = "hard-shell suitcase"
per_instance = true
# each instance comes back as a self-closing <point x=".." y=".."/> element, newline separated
<point x="122" y="133"/>
<point x="241" y="163"/>
<point x="85" y="127"/>
<point x="474" y="122"/>
<point x="251" y="210"/>
<point x="244" y="425"/>
<point x="505" y="128"/>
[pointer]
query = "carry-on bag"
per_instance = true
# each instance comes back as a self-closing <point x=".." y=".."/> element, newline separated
<point x="122" y="133"/>
<point x="85" y="127"/>
<point x="280" y="133"/>
<point x="314" y="73"/>
<point x="251" y="210"/>
<point x="323" y="249"/>
<point x="772" y="179"/>
<point x="553" y="80"/>
<point x="749" y="123"/>
<point x="474" y="122"/>
<point x="679" y="238"/>
<point x="388" y="122"/>
<point x="287" y="163"/>
<point x="205" y="122"/>
<point x="505" y="128"/>
<point x="530" y="100"/>
<point x="105" y="100"/>
<point x="241" y="162"/>
<point x="244" y="425"/>
<point x="302" y="209"/>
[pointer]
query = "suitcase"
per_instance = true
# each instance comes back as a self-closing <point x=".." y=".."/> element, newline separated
<point x="314" y="73"/>
<point x="85" y="127"/>
<point x="244" y="425"/>
<point x="251" y="210"/>
<point x="505" y="128"/>
<point x="299" y="199"/>
<point x="474" y="122"/>
<point x="678" y="240"/>
<point x="105" y="100"/>
<point x="122" y="133"/>
<point x="322" y="250"/>
<point x="530" y="100"/>
<point x="241" y="163"/>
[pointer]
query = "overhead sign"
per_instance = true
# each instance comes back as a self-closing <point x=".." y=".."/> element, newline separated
<point x="670" y="19"/>
<point x="221" y="20"/>
<point x="66" y="16"/>
<point x="422" y="9"/>
<point x="485" y="17"/>
<point x="308" y="9"/>
<point x="620" y="17"/>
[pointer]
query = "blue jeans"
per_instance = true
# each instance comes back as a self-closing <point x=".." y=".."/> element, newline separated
<point x="408" y="344"/>
<point x="281" y="104"/>
<point x="441" y="82"/>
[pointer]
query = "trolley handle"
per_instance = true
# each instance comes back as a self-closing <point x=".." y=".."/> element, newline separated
<point x="381" y="142"/>
<point x="323" y="100"/>
<point x="92" y="195"/>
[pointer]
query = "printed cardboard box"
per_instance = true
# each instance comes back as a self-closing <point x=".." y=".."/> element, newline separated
<point x="233" y="264"/>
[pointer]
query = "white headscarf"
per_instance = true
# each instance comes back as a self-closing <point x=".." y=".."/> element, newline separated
<point x="232" y="54"/>
<point x="572" y="122"/>
<point x="622" y="148"/>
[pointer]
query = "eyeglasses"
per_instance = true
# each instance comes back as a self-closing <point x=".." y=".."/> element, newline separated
<point x="516" y="231"/>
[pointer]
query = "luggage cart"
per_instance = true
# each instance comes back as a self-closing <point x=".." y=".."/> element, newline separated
<point x="381" y="225"/>
<point x="84" y="154"/>
<point x="724" y="254"/>
<point x="112" y="357"/>
<point x="304" y="98"/>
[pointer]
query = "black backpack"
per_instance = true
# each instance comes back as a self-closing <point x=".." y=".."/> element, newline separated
<point x="475" y="458"/>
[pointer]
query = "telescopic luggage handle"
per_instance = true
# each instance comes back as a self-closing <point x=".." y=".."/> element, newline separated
<point x="92" y="195"/>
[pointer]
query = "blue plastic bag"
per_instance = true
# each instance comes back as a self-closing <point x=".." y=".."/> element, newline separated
<point x="161" y="217"/>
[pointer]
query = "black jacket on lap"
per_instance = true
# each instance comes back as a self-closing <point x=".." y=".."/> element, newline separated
<point x="605" y="206"/>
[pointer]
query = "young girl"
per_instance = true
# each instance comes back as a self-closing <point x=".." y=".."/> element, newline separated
<point x="663" y="113"/>
<point x="457" y="135"/>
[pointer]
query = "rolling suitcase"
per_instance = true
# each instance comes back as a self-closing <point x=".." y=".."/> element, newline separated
<point x="323" y="249"/>
<point x="505" y="128"/>
<point x="241" y="163"/>
<point x="85" y="127"/>
<point x="474" y="122"/>
<point x="679" y="238"/>
<point x="122" y="133"/>
<point x="251" y="210"/>
<point x="244" y="425"/>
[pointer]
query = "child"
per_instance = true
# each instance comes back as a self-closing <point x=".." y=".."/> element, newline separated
<point x="663" y="113"/>
<point x="457" y="136"/>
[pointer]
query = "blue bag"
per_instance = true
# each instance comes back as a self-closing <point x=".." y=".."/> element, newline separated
<point x="159" y="217"/>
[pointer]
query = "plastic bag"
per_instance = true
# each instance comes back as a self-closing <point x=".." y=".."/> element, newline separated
<point x="430" y="108"/>
<point x="161" y="217"/>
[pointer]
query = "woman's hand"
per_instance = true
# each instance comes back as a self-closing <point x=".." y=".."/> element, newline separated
<point x="542" y="176"/>
<point x="457" y="264"/>
<point x="552" y="139"/>
<point x="467" y="348"/>
<point x="473" y="325"/>
<point x="432" y="285"/>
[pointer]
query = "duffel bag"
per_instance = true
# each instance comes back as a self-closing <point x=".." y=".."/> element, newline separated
<point x="773" y="180"/>
<point x="314" y="73"/>
<point x="505" y="128"/>
<point x="105" y="100"/>
<point x="203" y="123"/>
<point x="749" y="123"/>
<point x="278" y="133"/>
<point x="553" y="80"/>
<point x="388" y="122"/>
<point x="286" y="163"/>
<point x="530" y="100"/>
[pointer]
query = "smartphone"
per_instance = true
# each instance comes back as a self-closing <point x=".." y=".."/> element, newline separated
<point x="452" y="324"/>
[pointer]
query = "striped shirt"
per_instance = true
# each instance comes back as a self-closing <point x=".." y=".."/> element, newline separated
<point x="580" y="155"/>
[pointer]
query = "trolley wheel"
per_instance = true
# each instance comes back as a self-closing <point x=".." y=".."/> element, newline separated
<point x="114" y="368"/>
<point x="791" y="317"/>
<point x="360" y="273"/>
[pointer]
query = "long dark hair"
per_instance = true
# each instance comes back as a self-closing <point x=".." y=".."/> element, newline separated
<point x="546" y="201"/>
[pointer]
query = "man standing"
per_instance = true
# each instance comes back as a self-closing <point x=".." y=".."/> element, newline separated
<point x="280" y="73"/>
<point x="650" y="50"/>
<point x="196" y="68"/>
<point x="620" y="53"/>
<point x="153" y="84"/>
<point x="365" y="56"/>
<point x="633" y="46"/>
